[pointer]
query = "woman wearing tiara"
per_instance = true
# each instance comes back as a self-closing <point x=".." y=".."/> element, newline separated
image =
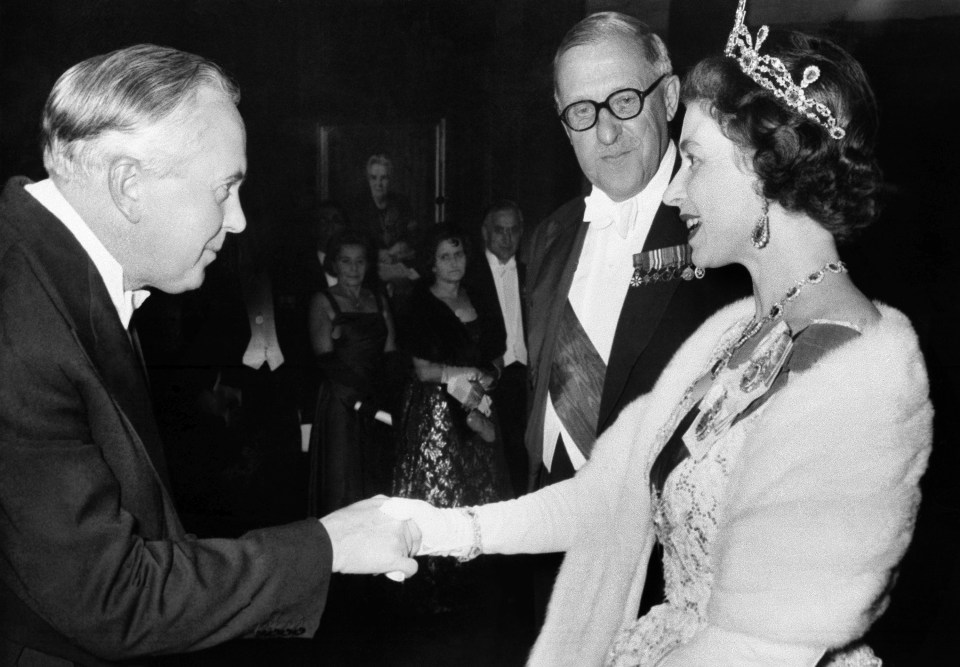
<point x="777" y="459"/>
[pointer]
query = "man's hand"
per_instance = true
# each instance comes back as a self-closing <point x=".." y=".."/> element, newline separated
<point x="367" y="541"/>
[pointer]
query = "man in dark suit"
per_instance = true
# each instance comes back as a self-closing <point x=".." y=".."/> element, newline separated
<point x="612" y="293"/>
<point x="145" y="150"/>
<point x="498" y="277"/>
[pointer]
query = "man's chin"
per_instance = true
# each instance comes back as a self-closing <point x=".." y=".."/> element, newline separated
<point x="189" y="282"/>
<point x="621" y="185"/>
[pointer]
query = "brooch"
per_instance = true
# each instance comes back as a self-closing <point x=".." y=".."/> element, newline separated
<point x="664" y="264"/>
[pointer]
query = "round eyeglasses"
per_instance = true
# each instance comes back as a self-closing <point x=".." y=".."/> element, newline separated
<point x="623" y="104"/>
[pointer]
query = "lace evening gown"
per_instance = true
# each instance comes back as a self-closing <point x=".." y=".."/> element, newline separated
<point x="688" y="487"/>
<point x="439" y="458"/>
<point x="350" y="452"/>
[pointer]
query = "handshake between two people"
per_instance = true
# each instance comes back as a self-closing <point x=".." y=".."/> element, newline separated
<point x="382" y="535"/>
<point x="366" y="540"/>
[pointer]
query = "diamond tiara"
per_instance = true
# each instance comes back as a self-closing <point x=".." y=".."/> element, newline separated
<point x="773" y="75"/>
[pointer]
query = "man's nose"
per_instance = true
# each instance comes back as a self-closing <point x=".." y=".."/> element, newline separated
<point x="608" y="127"/>
<point x="234" y="221"/>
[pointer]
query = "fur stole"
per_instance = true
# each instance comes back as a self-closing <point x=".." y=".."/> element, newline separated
<point x="819" y="511"/>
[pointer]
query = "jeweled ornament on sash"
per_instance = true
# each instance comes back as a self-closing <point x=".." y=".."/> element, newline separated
<point x="734" y="389"/>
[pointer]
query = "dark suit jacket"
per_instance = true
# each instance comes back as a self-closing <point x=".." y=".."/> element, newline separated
<point x="94" y="563"/>
<point x="654" y="319"/>
<point x="479" y="280"/>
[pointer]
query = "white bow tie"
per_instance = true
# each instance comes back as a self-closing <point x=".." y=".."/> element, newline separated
<point x="602" y="211"/>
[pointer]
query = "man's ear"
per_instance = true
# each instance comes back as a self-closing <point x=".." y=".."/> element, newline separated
<point x="125" y="180"/>
<point x="556" y="106"/>
<point x="671" y="95"/>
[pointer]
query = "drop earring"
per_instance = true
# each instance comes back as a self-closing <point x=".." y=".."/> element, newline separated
<point x="761" y="231"/>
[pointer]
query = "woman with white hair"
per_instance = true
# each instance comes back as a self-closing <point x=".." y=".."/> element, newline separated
<point x="387" y="217"/>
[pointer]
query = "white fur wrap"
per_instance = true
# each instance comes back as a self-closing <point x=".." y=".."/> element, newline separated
<point x="819" y="511"/>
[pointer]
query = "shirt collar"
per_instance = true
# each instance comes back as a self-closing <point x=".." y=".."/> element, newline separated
<point x="601" y="211"/>
<point x="110" y="270"/>
<point x="495" y="263"/>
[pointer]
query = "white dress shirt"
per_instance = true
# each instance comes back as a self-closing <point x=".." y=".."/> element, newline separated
<point x="508" y="292"/>
<point x="331" y="279"/>
<point x="616" y="231"/>
<point x="125" y="301"/>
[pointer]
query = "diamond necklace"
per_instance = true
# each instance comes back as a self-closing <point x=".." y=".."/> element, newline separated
<point x="775" y="312"/>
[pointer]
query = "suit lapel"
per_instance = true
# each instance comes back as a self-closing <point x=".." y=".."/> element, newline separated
<point x="641" y="313"/>
<point x="484" y="282"/>
<point x="556" y="277"/>
<point x="522" y="286"/>
<point x="120" y="367"/>
<point x="487" y="287"/>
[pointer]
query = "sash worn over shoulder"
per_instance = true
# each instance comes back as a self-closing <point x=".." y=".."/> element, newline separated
<point x="576" y="381"/>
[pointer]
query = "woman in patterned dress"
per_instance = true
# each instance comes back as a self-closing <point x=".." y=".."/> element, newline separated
<point x="448" y="450"/>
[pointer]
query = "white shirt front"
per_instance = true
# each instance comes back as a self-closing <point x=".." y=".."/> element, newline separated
<point x="508" y="292"/>
<point x="263" y="346"/>
<point x="616" y="231"/>
<point x="125" y="301"/>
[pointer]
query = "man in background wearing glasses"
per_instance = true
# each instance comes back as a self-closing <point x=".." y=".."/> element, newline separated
<point x="611" y="288"/>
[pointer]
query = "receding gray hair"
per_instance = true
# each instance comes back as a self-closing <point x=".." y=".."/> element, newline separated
<point x="113" y="104"/>
<point x="502" y="205"/>
<point x="602" y="26"/>
<point x="381" y="159"/>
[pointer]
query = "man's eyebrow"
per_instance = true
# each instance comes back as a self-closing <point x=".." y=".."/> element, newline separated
<point x="236" y="177"/>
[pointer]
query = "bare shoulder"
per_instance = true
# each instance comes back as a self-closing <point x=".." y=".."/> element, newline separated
<point x="846" y="305"/>
<point x="320" y="303"/>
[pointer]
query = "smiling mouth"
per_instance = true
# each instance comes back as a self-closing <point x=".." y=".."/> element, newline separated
<point x="693" y="224"/>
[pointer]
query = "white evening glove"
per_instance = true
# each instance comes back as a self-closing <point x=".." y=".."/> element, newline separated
<point x="444" y="531"/>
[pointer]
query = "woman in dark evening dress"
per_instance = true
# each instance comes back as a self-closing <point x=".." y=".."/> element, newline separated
<point x="448" y="453"/>
<point x="350" y="330"/>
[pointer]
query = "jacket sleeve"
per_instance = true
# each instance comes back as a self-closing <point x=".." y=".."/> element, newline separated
<point x="77" y="545"/>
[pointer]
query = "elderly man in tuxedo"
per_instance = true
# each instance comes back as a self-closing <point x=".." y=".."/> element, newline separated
<point x="499" y="279"/>
<point x="145" y="152"/>
<point x="612" y="292"/>
<point x="611" y="288"/>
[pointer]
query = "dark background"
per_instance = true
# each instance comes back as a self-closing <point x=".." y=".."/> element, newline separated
<point x="484" y="66"/>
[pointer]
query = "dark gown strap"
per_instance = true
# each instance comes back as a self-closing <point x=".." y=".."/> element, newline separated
<point x="810" y="344"/>
<point x="337" y="312"/>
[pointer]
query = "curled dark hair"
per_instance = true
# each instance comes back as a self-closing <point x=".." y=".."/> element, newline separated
<point x="432" y="238"/>
<point x="345" y="238"/>
<point x="835" y="182"/>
